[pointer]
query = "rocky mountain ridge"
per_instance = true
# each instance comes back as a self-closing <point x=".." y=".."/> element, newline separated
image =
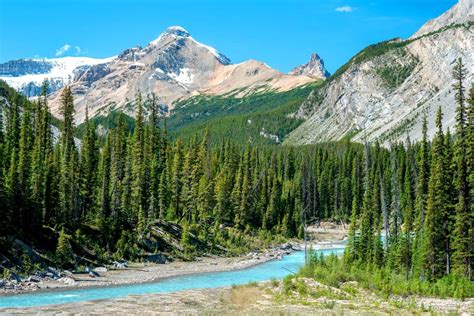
<point x="174" y="67"/>
<point x="381" y="92"/>
<point x="314" y="68"/>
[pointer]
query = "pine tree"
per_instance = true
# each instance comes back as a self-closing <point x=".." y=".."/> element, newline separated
<point x="64" y="252"/>
<point x="89" y="167"/>
<point x="222" y="190"/>
<point x="68" y="176"/>
<point x="41" y="156"/>
<point x="420" y="200"/>
<point x="462" y="255"/>
<point x="23" y="172"/>
<point x="118" y="156"/>
<point x="164" y="194"/>
<point x="395" y="215"/>
<point x="105" y="204"/>
<point x="154" y="153"/>
<point x="138" y="191"/>
<point x="176" y="183"/>
<point x="367" y="219"/>
<point x="434" y="225"/>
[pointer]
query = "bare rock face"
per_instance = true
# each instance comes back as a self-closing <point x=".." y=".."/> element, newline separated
<point x="382" y="92"/>
<point x="462" y="12"/>
<point x="314" y="68"/>
<point x="174" y="67"/>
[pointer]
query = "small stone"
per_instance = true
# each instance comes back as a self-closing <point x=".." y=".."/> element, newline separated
<point x="33" y="279"/>
<point x="68" y="280"/>
<point x="100" y="269"/>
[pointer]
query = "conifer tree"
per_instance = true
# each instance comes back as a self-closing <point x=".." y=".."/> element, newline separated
<point x="64" y="252"/>
<point x="68" y="176"/>
<point x="118" y="156"/>
<point x="176" y="182"/>
<point x="434" y="225"/>
<point x="105" y="204"/>
<point x="462" y="256"/>
<point x="89" y="161"/>
<point x="138" y="191"/>
<point x="41" y="155"/>
<point x="23" y="173"/>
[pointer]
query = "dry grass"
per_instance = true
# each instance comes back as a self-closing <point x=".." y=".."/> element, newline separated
<point x="245" y="295"/>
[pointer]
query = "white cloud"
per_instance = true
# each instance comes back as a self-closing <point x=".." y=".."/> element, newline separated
<point x="62" y="50"/>
<point x="345" y="8"/>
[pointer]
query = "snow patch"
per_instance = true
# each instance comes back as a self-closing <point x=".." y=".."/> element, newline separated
<point x="184" y="77"/>
<point x="62" y="70"/>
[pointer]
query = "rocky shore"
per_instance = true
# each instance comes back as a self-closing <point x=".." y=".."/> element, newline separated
<point x="118" y="273"/>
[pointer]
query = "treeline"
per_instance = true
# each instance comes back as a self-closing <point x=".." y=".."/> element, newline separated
<point x="416" y="215"/>
<point x="50" y="179"/>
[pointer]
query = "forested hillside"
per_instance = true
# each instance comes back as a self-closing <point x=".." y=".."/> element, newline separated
<point x="412" y="230"/>
<point x="259" y="118"/>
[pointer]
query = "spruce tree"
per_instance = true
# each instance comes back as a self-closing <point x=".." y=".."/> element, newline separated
<point x="461" y="238"/>
<point x="68" y="167"/>
<point x="138" y="184"/>
<point x="89" y="161"/>
<point x="434" y="256"/>
<point x="41" y="156"/>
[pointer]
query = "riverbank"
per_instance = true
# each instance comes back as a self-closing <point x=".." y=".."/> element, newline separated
<point x="323" y="236"/>
<point x="136" y="273"/>
<point x="264" y="298"/>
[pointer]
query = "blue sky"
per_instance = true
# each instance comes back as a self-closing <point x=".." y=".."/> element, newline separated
<point x="282" y="33"/>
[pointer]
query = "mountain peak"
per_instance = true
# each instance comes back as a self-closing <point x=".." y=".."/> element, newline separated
<point x="314" y="68"/>
<point x="177" y="31"/>
<point x="461" y="12"/>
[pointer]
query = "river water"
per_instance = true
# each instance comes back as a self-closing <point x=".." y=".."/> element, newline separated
<point x="275" y="269"/>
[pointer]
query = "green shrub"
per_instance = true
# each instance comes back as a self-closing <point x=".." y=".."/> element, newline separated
<point x="288" y="285"/>
<point x="64" y="253"/>
<point x="334" y="271"/>
<point x="7" y="274"/>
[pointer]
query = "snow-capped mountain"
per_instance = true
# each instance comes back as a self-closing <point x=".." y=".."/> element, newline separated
<point x="382" y="92"/>
<point x="27" y="75"/>
<point x="174" y="66"/>
<point x="313" y="68"/>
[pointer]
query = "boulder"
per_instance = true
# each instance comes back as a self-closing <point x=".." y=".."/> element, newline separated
<point x="15" y="277"/>
<point x="93" y="274"/>
<point x="121" y="264"/>
<point x="287" y="246"/>
<point x="33" y="278"/>
<point x="156" y="258"/>
<point x="55" y="272"/>
<point x="100" y="269"/>
<point x="40" y="274"/>
<point x="68" y="280"/>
